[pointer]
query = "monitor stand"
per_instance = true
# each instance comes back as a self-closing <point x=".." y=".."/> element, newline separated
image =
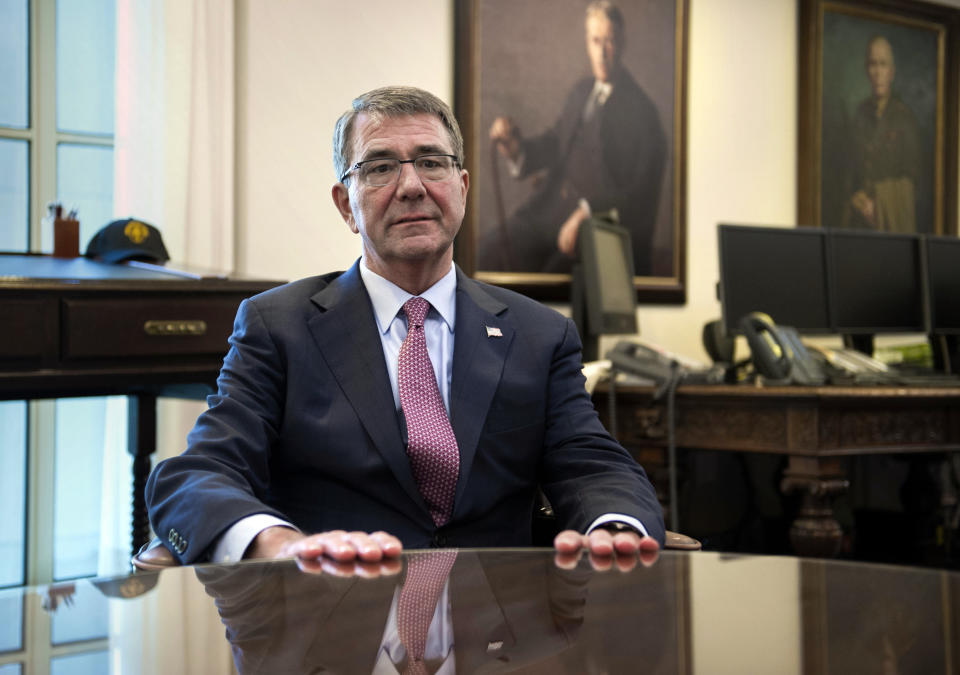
<point x="578" y="308"/>
<point x="946" y="353"/>
<point x="862" y="342"/>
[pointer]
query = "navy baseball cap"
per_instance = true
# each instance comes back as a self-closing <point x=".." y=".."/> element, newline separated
<point x="128" y="239"/>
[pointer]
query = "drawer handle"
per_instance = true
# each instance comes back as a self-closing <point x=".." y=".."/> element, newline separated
<point x="175" y="327"/>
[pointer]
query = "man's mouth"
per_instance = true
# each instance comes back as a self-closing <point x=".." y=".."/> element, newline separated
<point x="412" y="218"/>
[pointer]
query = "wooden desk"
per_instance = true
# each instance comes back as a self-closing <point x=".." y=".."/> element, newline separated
<point x="815" y="427"/>
<point x="75" y="327"/>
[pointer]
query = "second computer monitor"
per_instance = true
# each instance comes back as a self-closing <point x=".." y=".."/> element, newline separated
<point x="943" y="284"/>
<point x="875" y="282"/>
<point x="778" y="271"/>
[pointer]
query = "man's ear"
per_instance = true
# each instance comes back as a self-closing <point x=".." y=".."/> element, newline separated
<point x="341" y="199"/>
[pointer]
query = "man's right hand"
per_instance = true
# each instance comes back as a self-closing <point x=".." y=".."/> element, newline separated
<point x="338" y="545"/>
<point x="507" y="137"/>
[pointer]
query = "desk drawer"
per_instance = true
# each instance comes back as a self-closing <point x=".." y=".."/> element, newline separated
<point x="119" y="328"/>
<point x="26" y="329"/>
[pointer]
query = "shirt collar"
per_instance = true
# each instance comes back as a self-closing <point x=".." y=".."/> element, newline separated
<point x="387" y="298"/>
<point x="602" y="91"/>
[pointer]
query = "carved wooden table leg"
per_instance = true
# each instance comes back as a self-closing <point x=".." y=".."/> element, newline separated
<point x="142" y="431"/>
<point x="815" y="532"/>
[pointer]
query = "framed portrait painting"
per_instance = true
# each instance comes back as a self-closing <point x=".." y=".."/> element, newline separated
<point x="878" y="116"/>
<point x="571" y="110"/>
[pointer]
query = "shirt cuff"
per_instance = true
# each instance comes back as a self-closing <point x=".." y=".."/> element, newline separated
<point x="234" y="542"/>
<point x="515" y="166"/>
<point x="618" y="517"/>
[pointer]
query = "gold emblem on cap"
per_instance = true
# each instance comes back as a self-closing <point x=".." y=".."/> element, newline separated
<point x="136" y="231"/>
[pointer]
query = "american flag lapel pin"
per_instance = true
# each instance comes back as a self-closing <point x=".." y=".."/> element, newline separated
<point x="493" y="331"/>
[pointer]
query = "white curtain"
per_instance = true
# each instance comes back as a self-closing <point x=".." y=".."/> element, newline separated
<point x="174" y="168"/>
<point x="174" y="163"/>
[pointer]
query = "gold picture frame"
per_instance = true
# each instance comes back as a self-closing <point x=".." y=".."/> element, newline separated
<point x="525" y="61"/>
<point x="878" y="151"/>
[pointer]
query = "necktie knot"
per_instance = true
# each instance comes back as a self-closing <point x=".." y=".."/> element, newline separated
<point x="416" y="310"/>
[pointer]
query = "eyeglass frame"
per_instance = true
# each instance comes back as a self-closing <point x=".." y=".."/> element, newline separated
<point x="401" y="162"/>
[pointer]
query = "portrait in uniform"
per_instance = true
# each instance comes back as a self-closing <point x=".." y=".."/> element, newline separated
<point x="880" y="107"/>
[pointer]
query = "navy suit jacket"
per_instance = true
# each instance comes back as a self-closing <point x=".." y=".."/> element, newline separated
<point x="304" y="426"/>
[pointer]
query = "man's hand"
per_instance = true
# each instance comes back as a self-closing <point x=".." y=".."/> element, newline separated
<point x="327" y="551"/>
<point x="507" y="137"/>
<point x="866" y="206"/>
<point x="567" y="236"/>
<point x="606" y="548"/>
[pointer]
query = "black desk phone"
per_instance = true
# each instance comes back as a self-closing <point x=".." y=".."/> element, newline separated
<point x="778" y="353"/>
<point x="639" y="359"/>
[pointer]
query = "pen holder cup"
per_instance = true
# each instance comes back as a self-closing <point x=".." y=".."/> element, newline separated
<point x="66" y="238"/>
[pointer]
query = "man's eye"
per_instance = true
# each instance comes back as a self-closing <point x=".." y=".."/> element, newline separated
<point x="430" y="163"/>
<point x="378" y="167"/>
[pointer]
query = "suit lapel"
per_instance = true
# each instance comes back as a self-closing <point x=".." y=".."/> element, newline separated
<point x="345" y="331"/>
<point x="483" y="337"/>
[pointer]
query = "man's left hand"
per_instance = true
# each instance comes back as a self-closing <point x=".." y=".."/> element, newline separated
<point x="605" y="547"/>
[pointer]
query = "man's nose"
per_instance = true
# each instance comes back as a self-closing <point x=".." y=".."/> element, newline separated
<point x="409" y="181"/>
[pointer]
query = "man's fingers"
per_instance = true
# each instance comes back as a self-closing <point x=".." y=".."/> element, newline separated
<point x="649" y="551"/>
<point x="389" y="544"/>
<point x="601" y="543"/>
<point x="569" y="541"/>
<point x="606" y="549"/>
<point x="345" y="546"/>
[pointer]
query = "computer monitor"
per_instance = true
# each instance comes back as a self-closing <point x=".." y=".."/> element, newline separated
<point x="942" y="274"/>
<point x="776" y="270"/>
<point x="604" y="298"/>
<point x="875" y="282"/>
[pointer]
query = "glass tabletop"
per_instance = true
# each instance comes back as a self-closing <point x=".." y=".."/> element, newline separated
<point x="493" y="610"/>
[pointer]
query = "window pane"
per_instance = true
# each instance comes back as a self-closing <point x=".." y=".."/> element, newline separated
<point x="86" y="52"/>
<point x="14" y="180"/>
<point x="91" y="527"/>
<point x="11" y="669"/>
<point x="85" y="618"/>
<point x="79" y="468"/>
<point x="13" y="491"/>
<point x="85" y="182"/>
<point x="14" y="60"/>
<point x="11" y="621"/>
<point x="91" y="663"/>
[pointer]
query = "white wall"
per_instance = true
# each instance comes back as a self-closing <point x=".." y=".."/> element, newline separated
<point x="299" y="64"/>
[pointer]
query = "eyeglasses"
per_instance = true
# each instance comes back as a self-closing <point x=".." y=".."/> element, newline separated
<point x="386" y="170"/>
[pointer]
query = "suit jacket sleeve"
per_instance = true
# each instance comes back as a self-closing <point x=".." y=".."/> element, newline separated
<point x="225" y="470"/>
<point x="585" y="473"/>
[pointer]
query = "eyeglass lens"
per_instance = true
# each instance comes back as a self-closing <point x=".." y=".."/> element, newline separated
<point x="385" y="171"/>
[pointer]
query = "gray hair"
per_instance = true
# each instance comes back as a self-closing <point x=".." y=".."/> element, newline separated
<point x="609" y="10"/>
<point x="391" y="102"/>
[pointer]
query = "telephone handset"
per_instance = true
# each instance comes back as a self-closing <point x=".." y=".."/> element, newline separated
<point x="778" y="353"/>
<point x="639" y="359"/>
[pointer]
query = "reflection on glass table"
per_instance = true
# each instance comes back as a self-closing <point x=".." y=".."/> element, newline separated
<point x="517" y="610"/>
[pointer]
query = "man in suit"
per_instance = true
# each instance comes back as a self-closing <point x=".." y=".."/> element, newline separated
<point x="324" y="427"/>
<point x="607" y="150"/>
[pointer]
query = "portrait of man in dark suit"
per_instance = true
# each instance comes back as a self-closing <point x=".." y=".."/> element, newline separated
<point x="575" y="141"/>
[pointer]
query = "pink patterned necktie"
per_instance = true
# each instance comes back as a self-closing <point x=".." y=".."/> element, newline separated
<point x="426" y="575"/>
<point x="431" y="445"/>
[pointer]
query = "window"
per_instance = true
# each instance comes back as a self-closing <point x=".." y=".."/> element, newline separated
<point x="57" y="62"/>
